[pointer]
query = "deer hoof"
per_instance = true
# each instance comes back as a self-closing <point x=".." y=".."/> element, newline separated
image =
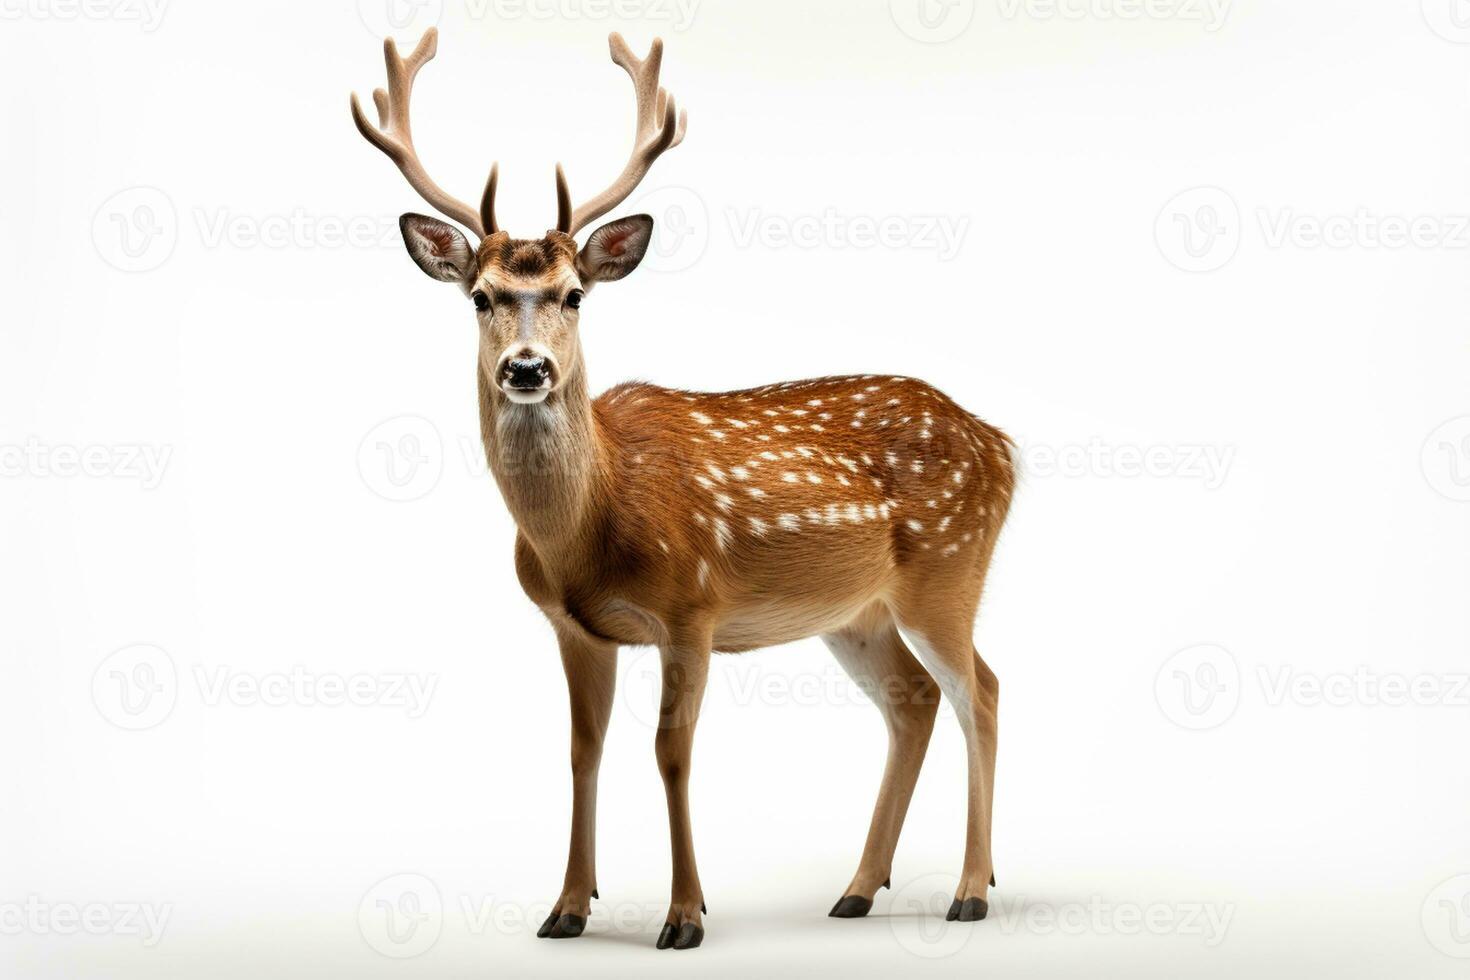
<point x="851" y="907"/>
<point x="565" y="926"/>
<point x="969" y="910"/>
<point x="690" y="935"/>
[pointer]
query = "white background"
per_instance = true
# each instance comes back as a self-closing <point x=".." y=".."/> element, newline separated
<point x="317" y="503"/>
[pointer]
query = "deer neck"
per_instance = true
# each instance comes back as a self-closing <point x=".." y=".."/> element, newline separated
<point x="546" y="458"/>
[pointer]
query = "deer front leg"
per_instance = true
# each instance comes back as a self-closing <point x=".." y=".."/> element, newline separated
<point x="591" y="669"/>
<point x="685" y="669"/>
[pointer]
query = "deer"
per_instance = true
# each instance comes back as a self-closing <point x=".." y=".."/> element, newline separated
<point x="860" y="509"/>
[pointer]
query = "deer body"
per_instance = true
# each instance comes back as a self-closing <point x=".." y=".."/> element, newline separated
<point x="861" y="509"/>
<point x="767" y="511"/>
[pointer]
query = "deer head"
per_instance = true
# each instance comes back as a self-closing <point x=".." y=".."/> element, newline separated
<point x="527" y="293"/>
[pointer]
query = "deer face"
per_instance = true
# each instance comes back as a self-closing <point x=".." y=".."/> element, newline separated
<point x="527" y="294"/>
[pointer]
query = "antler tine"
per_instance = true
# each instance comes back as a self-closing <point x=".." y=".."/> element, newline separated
<point x="394" y="133"/>
<point x="659" y="126"/>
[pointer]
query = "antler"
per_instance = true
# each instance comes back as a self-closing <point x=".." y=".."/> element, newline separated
<point x="660" y="127"/>
<point x="394" y="137"/>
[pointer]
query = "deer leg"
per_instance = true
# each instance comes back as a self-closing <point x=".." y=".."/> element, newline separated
<point x="685" y="670"/>
<point x="875" y="657"/>
<point x="591" y="669"/>
<point x="947" y="652"/>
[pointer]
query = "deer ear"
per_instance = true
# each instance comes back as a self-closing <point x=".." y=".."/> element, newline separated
<point x="615" y="249"/>
<point x="438" y="248"/>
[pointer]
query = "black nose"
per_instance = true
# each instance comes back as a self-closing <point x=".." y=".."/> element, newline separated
<point x="526" y="372"/>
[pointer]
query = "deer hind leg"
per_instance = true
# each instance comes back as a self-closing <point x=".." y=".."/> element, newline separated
<point x="941" y="639"/>
<point x="874" y="655"/>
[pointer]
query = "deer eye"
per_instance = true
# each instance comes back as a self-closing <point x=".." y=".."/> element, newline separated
<point x="574" y="299"/>
<point x="482" y="302"/>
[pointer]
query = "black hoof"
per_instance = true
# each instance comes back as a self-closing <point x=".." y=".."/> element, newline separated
<point x="992" y="883"/>
<point x="666" y="936"/>
<point x="970" y="910"/>
<point x="851" y="907"/>
<point x="567" y="927"/>
<point x="545" y="929"/>
<point x="690" y="936"/>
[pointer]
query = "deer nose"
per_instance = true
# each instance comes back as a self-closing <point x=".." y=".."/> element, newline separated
<point x="528" y="371"/>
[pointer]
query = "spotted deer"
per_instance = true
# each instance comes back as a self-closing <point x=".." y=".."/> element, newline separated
<point x="863" y="510"/>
